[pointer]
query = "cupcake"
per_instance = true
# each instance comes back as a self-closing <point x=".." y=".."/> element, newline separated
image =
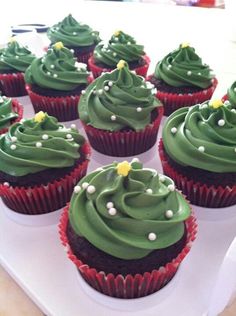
<point x="76" y="36"/>
<point x="11" y="111"/>
<point x="231" y="94"/>
<point x="120" y="114"/>
<point x="120" y="46"/>
<point x="40" y="162"/>
<point x="181" y="79"/>
<point x="14" y="59"/>
<point x="198" y="151"/>
<point x="55" y="81"/>
<point x="127" y="229"/>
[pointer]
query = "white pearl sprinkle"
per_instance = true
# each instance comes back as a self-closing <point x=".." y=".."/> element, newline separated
<point x="201" y="149"/>
<point x="14" y="139"/>
<point x="233" y="110"/>
<point x="189" y="73"/>
<point x="139" y="109"/>
<point x="162" y="178"/>
<point x="6" y="184"/>
<point x="17" y="57"/>
<point x="94" y="91"/>
<point x="169" y="66"/>
<point x="73" y="126"/>
<point x="235" y="149"/>
<point x="68" y="136"/>
<point x="116" y="39"/>
<point x="1" y="100"/>
<point x="204" y="106"/>
<point x="113" y="117"/>
<point x="45" y="136"/>
<point x="85" y="185"/>
<point x="74" y="33"/>
<point x="135" y="160"/>
<point x="110" y="204"/>
<point x="235" y="89"/>
<point x="152" y="236"/>
<point x="72" y="51"/>
<point x="149" y="191"/>
<point x="48" y="73"/>
<point x="133" y="72"/>
<point x="55" y="75"/>
<point x="169" y="214"/>
<point x="114" y="54"/>
<point x="199" y="74"/>
<point x="128" y="43"/>
<point x="83" y="92"/>
<point x="226" y="102"/>
<point x="13" y="147"/>
<point x="171" y="187"/>
<point x="106" y="88"/>
<point x="221" y="122"/>
<point x="77" y="188"/>
<point x="91" y="189"/>
<point x="110" y="83"/>
<point x="52" y="66"/>
<point x="173" y="130"/>
<point x="100" y="91"/>
<point x="99" y="169"/>
<point x="112" y="211"/>
<point x="38" y="144"/>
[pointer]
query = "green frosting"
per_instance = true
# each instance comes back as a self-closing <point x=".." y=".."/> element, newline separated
<point x="183" y="67"/>
<point x="57" y="70"/>
<point x="15" y="57"/>
<point x="116" y="213"/>
<point x="33" y="146"/>
<point x="203" y="137"/>
<point x="231" y="93"/>
<point x="73" y="33"/>
<point x="7" y="113"/>
<point x="117" y="100"/>
<point x="120" y="46"/>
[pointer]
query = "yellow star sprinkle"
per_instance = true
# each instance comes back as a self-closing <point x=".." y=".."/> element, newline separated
<point x="58" y="45"/>
<point x="116" y="33"/>
<point x="123" y="168"/>
<point x="121" y="64"/>
<point x="39" y="117"/>
<point x="216" y="104"/>
<point x="12" y="39"/>
<point x="184" y="45"/>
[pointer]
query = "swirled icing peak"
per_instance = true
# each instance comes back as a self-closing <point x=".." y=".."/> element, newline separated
<point x="116" y="100"/>
<point x="203" y="136"/>
<point x="183" y="67"/>
<point x="73" y="33"/>
<point x="57" y="69"/>
<point x="38" y="144"/>
<point x="120" y="46"/>
<point x="7" y="113"/>
<point x="15" y="57"/>
<point x="128" y="216"/>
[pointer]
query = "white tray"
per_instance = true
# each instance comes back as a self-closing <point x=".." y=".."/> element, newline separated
<point x="35" y="258"/>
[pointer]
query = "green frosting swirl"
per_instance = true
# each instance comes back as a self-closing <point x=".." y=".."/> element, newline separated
<point x="7" y="113"/>
<point x="117" y="100"/>
<point x="122" y="229"/>
<point x="33" y="146"/>
<point x="57" y="70"/>
<point x="120" y="46"/>
<point x="73" y="33"/>
<point x="183" y="67"/>
<point x="203" y="137"/>
<point x="15" y="57"/>
<point x="231" y="93"/>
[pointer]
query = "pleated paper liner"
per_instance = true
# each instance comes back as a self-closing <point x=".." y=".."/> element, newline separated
<point x="84" y="57"/>
<point x="42" y="199"/>
<point x="97" y="71"/>
<point x="13" y="84"/>
<point x="131" y="286"/>
<point x="198" y="193"/>
<point x="174" y="101"/>
<point x="124" y="143"/>
<point x="18" y="108"/>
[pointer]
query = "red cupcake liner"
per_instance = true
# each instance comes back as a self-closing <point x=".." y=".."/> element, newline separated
<point x="196" y="192"/>
<point x="43" y="199"/>
<point x="13" y="85"/>
<point x="96" y="70"/>
<point x="131" y="286"/>
<point x="225" y="98"/>
<point x="63" y="108"/>
<point x="18" y="108"/>
<point x="84" y="57"/>
<point x="174" y="101"/>
<point x="124" y="143"/>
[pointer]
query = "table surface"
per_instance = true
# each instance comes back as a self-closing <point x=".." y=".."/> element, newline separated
<point x="160" y="29"/>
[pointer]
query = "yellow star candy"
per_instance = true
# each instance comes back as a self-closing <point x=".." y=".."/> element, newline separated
<point x="123" y="168"/>
<point x="184" y="45"/>
<point x="58" y="45"/>
<point x="12" y="39"/>
<point x="116" y="33"/>
<point x="121" y="64"/>
<point x="216" y="104"/>
<point x="39" y="117"/>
